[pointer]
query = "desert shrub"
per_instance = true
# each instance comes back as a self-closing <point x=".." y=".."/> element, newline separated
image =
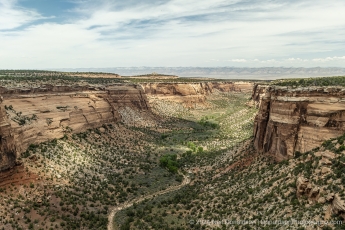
<point x="192" y="146"/>
<point x="340" y="149"/>
<point x="298" y="154"/>
<point x="328" y="144"/>
<point x="306" y="82"/>
<point x="207" y="123"/>
<point x="169" y="161"/>
<point x="164" y="136"/>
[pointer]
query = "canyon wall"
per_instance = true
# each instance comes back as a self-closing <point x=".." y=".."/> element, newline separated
<point x="190" y="89"/>
<point x="299" y="119"/>
<point x="31" y="116"/>
<point x="190" y="94"/>
<point x="34" y="115"/>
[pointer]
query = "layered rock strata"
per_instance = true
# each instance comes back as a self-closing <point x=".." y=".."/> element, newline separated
<point x="190" y="89"/>
<point x="191" y="94"/>
<point x="299" y="119"/>
<point x="31" y="116"/>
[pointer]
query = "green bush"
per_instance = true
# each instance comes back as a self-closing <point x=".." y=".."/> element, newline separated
<point x="328" y="144"/>
<point x="192" y="146"/>
<point x="169" y="161"/>
<point x="298" y="154"/>
<point x="163" y="136"/>
<point x="207" y="123"/>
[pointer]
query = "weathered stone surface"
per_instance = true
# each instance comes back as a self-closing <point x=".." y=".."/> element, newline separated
<point x="321" y="200"/>
<point x="325" y="161"/>
<point x="188" y="89"/>
<point x="55" y="108"/>
<point x="303" y="186"/>
<point x="258" y="93"/>
<point x="190" y="94"/>
<point x="328" y="154"/>
<point x="330" y="197"/>
<point x="306" y="189"/>
<point x="338" y="205"/>
<point x="291" y="120"/>
<point x="325" y="170"/>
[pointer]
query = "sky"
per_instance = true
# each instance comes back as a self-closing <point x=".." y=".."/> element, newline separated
<point x="41" y="34"/>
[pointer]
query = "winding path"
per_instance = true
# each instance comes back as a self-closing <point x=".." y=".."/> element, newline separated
<point x="186" y="180"/>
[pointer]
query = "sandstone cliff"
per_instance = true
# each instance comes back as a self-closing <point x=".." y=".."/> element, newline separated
<point x="189" y="89"/>
<point x="190" y="94"/>
<point x="31" y="116"/>
<point x="298" y="119"/>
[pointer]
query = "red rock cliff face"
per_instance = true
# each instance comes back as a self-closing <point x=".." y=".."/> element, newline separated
<point x="32" y="116"/>
<point x="190" y="89"/>
<point x="191" y="94"/>
<point x="299" y="119"/>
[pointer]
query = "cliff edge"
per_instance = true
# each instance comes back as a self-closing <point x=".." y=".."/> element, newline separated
<point x="34" y="115"/>
<point x="190" y="89"/>
<point x="297" y="119"/>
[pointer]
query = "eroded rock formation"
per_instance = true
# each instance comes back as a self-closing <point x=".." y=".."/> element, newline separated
<point x="297" y="119"/>
<point x="189" y="89"/>
<point x="31" y="116"/>
<point x="190" y="94"/>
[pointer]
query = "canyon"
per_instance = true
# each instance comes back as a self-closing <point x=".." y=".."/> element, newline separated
<point x="90" y="151"/>
<point x="288" y="120"/>
<point x="202" y="88"/>
<point x="193" y="92"/>
<point x="31" y="115"/>
<point x="34" y="115"/>
<point x="296" y="119"/>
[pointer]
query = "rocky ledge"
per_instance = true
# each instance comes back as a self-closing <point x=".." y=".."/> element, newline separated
<point x="189" y="89"/>
<point x="33" y="115"/>
<point x="297" y="119"/>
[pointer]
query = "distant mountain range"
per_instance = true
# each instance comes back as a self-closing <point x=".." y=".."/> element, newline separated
<point x="222" y="72"/>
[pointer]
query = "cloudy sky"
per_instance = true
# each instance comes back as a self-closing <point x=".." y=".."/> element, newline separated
<point x="205" y="33"/>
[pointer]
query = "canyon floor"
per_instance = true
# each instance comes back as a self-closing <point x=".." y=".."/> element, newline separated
<point x="185" y="166"/>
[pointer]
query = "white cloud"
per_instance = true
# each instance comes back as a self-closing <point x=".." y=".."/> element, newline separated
<point x="176" y="33"/>
<point x="269" y="61"/>
<point x="297" y="60"/>
<point x="329" y="59"/>
<point x="12" y="16"/>
<point x="238" y="60"/>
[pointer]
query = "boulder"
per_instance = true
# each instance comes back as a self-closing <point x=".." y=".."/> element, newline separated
<point x="328" y="154"/>
<point x="325" y="170"/>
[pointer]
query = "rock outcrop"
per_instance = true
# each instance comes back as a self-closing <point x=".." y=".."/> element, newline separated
<point x="338" y="205"/>
<point x="307" y="189"/>
<point x="258" y="93"/>
<point x="190" y="89"/>
<point x="31" y="116"/>
<point x="299" y="119"/>
<point x="191" y="94"/>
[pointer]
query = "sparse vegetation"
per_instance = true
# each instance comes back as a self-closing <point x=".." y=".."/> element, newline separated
<point x="169" y="161"/>
<point x="307" y="82"/>
<point x="18" y="117"/>
<point x="74" y="182"/>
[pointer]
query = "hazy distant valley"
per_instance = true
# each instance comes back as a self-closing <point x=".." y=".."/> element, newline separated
<point x="260" y="73"/>
<point x="111" y="151"/>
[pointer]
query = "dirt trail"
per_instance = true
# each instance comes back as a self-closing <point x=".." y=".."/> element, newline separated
<point x="125" y="205"/>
